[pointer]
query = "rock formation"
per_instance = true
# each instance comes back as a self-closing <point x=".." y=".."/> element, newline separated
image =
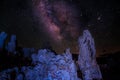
<point x="46" y="65"/>
<point x="11" y="47"/>
<point x="55" y="67"/>
<point x="87" y="57"/>
<point x="3" y="37"/>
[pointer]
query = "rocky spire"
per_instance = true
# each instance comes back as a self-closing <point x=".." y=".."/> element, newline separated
<point x="11" y="47"/>
<point x="87" y="57"/>
<point x="3" y="37"/>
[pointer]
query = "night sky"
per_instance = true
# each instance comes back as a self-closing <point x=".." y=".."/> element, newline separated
<point x="59" y="23"/>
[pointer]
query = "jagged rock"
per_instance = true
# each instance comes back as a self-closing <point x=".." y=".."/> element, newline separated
<point x="11" y="47"/>
<point x="87" y="57"/>
<point x="3" y="36"/>
<point x="47" y="66"/>
<point x="55" y="67"/>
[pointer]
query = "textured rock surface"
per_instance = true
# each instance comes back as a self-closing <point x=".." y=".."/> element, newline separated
<point x="47" y="65"/>
<point x="55" y="67"/>
<point x="87" y="58"/>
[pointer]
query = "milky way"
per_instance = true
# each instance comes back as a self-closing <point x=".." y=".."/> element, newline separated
<point x="61" y="22"/>
<point x="59" y="18"/>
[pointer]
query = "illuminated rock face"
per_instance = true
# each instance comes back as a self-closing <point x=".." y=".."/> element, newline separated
<point x="87" y="57"/>
<point x="46" y="65"/>
<point x="54" y="67"/>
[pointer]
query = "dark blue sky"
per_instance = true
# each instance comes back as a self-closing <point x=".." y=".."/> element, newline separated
<point x="101" y="17"/>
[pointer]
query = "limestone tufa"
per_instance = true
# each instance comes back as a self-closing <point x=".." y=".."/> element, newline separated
<point x="87" y="57"/>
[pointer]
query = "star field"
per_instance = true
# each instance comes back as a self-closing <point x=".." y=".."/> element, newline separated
<point x="60" y="23"/>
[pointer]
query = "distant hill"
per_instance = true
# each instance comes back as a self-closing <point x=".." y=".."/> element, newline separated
<point x="110" y="65"/>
